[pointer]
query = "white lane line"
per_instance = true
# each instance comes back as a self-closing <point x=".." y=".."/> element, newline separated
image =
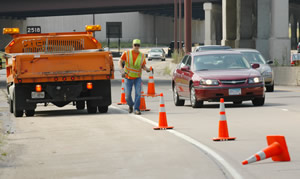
<point x="221" y="162"/>
<point x="284" y="109"/>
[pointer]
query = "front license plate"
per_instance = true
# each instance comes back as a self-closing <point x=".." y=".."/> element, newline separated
<point x="37" y="95"/>
<point x="235" y="91"/>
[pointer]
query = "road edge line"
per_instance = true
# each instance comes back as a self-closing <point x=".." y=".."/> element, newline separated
<point x="220" y="161"/>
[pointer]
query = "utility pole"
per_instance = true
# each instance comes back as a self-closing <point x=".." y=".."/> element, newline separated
<point x="180" y="33"/>
<point x="188" y="25"/>
<point x="175" y="25"/>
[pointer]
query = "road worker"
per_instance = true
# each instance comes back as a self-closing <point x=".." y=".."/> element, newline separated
<point x="132" y="71"/>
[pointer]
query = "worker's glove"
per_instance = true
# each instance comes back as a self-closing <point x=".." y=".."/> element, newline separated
<point x="122" y="73"/>
<point x="148" y="70"/>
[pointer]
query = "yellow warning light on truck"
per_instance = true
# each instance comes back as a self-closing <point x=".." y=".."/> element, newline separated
<point x="92" y="28"/>
<point x="11" y="31"/>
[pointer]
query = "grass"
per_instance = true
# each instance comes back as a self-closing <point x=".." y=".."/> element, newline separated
<point x="177" y="56"/>
<point x="127" y="44"/>
<point x="167" y="71"/>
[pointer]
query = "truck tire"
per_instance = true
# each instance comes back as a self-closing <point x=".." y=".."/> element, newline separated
<point x="11" y="106"/>
<point x="102" y="109"/>
<point x="80" y="105"/>
<point x="91" y="109"/>
<point x="17" y="113"/>
<point x="29" y="113"/>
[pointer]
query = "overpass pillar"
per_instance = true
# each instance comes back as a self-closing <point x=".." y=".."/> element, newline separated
<point x="245" y="24"/>
<point x="263" y="27"/>
<point x="280" y="44"/>
<point x="210" y="31"/>
<point x="229" y="22"/>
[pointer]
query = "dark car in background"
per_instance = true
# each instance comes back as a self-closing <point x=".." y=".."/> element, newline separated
<point x="211" y="75"/>
<point x="171" y="47"/>
<point x="210" y="47"/>
<point x="254" y="56"/>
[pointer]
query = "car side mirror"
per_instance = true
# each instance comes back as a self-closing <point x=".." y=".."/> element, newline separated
<point x="185" y="68"/>
<point x="270" y="62"/>
<point x="255" y="65"/>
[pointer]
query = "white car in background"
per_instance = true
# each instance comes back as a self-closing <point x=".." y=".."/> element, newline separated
<point x="157" y="53"/>
<point x="253" y="56"/>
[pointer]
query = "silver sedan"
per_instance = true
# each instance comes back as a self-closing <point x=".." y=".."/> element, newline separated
<point x="157" y="53"/>
<point x="254" y="56"/>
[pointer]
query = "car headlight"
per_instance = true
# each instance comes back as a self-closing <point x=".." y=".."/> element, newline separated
<point x="209" y="82"/>
<point x="267" y="73"/>
<point x="255" y="80"/>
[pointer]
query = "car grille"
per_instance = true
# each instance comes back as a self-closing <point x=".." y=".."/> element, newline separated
<point x="233" y="82"/>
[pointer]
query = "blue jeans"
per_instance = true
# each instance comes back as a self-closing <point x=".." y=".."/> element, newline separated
<point x="128" y="89"/>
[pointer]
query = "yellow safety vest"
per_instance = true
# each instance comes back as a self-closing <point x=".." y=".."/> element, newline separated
<point x="134" y="70"/>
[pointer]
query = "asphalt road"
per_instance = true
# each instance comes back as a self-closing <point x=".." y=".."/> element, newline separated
<point x="65" y="143"/>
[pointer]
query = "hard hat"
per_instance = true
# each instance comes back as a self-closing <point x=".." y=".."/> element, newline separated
<point x="136" y="41"/>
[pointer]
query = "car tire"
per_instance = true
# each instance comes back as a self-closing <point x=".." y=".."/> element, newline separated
<point x="91" y="109"/>
<point x="29" y="113"/>
<point x="270" y="88"/>
<point x="237" y="102"/>
<point x="176" y="99"/>
<point x="11" y="107"/>
<point x="194" y="102"/>
<point x="149" y="59"/>
<point x="17" y="113"/>
<point x="102" y="109"/>
<point x="80" y="105"/>
<point x="258" y="101"/>
<point x="163" y="59"/>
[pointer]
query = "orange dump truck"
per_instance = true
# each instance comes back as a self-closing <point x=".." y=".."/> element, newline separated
<point x="57" y="68"/>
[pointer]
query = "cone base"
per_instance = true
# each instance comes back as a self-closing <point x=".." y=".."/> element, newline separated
<point x="284" y="156"/>
<point x="151" y="95"/>
<point x="121" y="103"/>
<point x="145" y="109"/>
<point x="223" y="138"/>
<point x="163" y="127"/>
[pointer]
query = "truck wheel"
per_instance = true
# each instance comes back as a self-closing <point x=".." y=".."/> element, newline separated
<point x="91" y="109"/>
<point x="102" y="109"/>
<point x="11" y="106"/>
<point x="29" y="113"/>
<point x="258" y="101"/>
<point x="17" y="113"/>
<point x="80" y="105"/>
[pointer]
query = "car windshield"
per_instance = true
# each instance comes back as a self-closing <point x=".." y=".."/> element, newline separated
<point x="254" y="57"/>
<point x="220" y="62"/>
<point x="156" y="50"/>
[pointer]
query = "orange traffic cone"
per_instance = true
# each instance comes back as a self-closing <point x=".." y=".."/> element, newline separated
<point x="143" y="102"/>
<point x="223" y="129"/>
<point x="151" y="85"/>
<point x="277" y="149"/>
<point x="123" y="100"/>
<point x="162" y="123"/>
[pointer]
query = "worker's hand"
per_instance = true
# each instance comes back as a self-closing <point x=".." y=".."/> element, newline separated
<point x="148" y="70"/>
<point x="122" y="73"/>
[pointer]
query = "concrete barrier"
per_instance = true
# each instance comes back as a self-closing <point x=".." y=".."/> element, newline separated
<point x="287" y="76"/>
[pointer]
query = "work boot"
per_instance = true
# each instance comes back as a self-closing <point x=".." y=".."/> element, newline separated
<point x="137" y="112"/>
<point x="130" y="110"/>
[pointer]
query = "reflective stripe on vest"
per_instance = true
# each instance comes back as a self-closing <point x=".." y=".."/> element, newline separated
<point x="134" y="70"/>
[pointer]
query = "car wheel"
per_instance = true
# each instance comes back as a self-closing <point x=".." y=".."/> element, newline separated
<point x="29" y="113"/>
<point x="91" y="109"/>
<point x="194" y="102"/>
<point x="237" y="102"/>
<point x="258" y="101"/>
<point x="177" y="101"/>
<point x="80" y="105"/>
<point x="102" y="109"/>
<point x="163" y="59"/>
<point x="149" y="59"/>
<point x="270" y="88"/>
